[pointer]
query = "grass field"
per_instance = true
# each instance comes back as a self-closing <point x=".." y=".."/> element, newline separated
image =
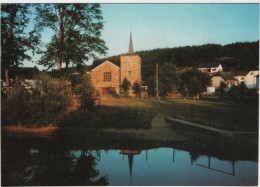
<point x="212" y="112"/>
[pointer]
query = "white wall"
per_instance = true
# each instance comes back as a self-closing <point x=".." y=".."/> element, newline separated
<point x="251" y="79"/>
<point x="216" y="81"/>
<point x="219" y="68"/>
<point x="211" y="89"/>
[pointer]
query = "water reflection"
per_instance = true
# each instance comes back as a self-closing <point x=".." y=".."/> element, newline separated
<point x="50" y="164"/>
<point x="57" y="162"/>
<point x="130" y="154"/>
<point x="208" y="166"/>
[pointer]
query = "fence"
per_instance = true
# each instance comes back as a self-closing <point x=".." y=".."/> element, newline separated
<point x="228" y="119"/>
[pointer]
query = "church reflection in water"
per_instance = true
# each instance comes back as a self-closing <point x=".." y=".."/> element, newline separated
<point x="130" y="154"/>
<point x="193" y="158"/>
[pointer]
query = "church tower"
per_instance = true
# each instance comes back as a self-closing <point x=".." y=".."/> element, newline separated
<point x="130" y="66"/>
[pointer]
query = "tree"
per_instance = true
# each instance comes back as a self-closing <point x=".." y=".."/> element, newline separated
<point x="194" y="88"/>
<point x="137" y="89"/>
<point x="15" y="42"/>
<point x="77" y="30"/>
<point x="125" y="87"/>
<point x="203" y="78"/>
<point x="183" y="90"/>
<point x="150" y="82"/>
<point x="168" y="80"/>
<point x="87" y="93"/>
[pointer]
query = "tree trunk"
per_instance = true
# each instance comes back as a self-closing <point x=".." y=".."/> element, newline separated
<point x="7" y="79"/>
<point x="59" y="64"/>
<point x="61" y="35"/>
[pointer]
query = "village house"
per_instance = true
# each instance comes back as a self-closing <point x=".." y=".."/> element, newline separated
<point x="249" y="78"/>
<point x="219" y="77"/>
<point x="108" y="77"/>
<point x="24" y="74"/>
<point x="257" y="82"/>
<point x="213" y="67"/>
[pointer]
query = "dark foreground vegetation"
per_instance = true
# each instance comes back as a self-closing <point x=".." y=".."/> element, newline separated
<point x="51" y="103"/>
<point x="107" y="117"/>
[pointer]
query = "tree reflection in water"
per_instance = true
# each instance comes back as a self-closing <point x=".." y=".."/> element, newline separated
<point x="48" y="165"/>
<point x="84" y="172"/>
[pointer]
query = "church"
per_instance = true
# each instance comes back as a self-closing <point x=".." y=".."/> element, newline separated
<point x="108" y="76"/>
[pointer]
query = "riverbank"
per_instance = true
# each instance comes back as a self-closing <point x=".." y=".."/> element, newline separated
<point x="242" y="147"/>
<point x="217" y="113"/>
<point x="28" y="131"/>
<point x="160" y="131"/>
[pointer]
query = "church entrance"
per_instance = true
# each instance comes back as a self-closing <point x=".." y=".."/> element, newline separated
<point x="107" y="90"/>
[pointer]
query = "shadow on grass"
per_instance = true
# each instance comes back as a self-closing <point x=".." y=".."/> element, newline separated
<point x="107" y="117"/>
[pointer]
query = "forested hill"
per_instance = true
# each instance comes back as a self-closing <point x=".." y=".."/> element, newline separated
<point x="235" y="57"/>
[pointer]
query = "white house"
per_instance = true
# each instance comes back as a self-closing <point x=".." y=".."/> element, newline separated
<point x="249" y="78"/>
<point x="257" y="82"/>
<point x="213" y="67"/>
<point x="219" y="77"/>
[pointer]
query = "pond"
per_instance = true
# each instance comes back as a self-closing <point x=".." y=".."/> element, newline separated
<point x="47" y="161"/>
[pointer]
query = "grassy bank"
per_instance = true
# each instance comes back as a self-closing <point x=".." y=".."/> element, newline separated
<point x="217" y="113"/>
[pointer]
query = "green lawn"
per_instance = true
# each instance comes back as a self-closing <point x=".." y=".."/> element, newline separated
<point x="223" y="114"/>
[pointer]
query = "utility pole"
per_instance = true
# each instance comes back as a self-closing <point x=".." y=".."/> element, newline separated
<point x="157" y="94"/>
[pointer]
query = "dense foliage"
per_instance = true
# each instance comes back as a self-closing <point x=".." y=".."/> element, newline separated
<point x="168" y="80"/>
<point x="15" y="41"/>
<point x="235" y="57"/>
<point x="108" y="117"/>
<point x="87" y="99"/>
<point x="77" y="30"/>
<point x="194" y="82"/>
<point x="43" y="105"/>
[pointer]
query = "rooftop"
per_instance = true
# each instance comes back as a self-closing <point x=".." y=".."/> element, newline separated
<point x="209" y="65"/>
<point x="225" y="75"/>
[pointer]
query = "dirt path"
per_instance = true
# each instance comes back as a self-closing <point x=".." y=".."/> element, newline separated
<point x="160" y="130"/>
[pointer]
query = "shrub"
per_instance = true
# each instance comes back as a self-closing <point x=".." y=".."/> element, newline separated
<point x="108" y="118"/>
<point x="87" y="98"/>
<point x="125" y="87"/>
<point x="137" y="89"/>
<point x="44" y="105"/>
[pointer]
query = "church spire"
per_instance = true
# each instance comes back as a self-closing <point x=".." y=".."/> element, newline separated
<point x="130" y="49"/>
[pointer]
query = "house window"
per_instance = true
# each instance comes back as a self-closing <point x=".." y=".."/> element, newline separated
<point x="242" y="78"/>
<point x="107" y="76"/>
<point x="129" y="73"/>
<point x="251" y="73"/>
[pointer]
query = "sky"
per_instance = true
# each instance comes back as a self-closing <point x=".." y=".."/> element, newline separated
<point x="174" y="25"/>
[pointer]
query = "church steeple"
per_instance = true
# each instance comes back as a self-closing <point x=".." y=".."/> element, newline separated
<point x="130" y="49"/>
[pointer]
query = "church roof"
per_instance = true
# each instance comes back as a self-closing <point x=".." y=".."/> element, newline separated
<point x="104" y="63"/>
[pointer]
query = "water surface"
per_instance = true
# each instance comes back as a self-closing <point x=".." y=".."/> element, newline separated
<point x="50" y="162"/>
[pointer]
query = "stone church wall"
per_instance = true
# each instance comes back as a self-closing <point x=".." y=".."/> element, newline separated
<point x="130" y="65"/>
<point x="97" y="76"/>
